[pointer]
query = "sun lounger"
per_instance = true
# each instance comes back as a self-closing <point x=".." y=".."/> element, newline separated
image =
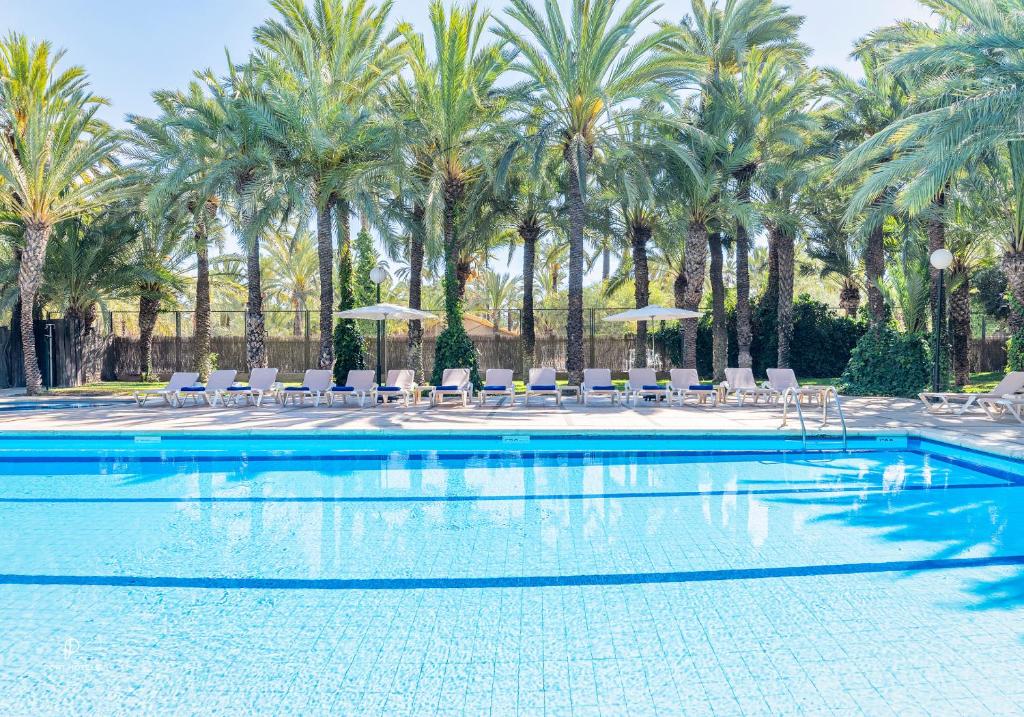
<point x="178" y="380"/>
<point x="685" y="383"/>
<point x="996" y="408"/>
<point x="315" y="385"/>
<point x="358" y="384"/>
<point x="957" y="403"/>
<point x="739" y="382"/>
<point x="498" y="382"/>
<point x="782" y="379"/>
<point x="218" y="381"/>
<point x="597" y="383"/>
<point x="400" y="384"/>
<point x="643" y="383"/>
<point x="261" y="383"/>
<point x="454" y="382"/>
<point x="542" y="383"/>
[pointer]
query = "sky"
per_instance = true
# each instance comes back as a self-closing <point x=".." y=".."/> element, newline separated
<point x="131" y="47"/>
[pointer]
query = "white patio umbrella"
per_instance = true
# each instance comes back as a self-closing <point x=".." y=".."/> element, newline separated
<point x="383" y="312"/>
<point x="653" y="312"/>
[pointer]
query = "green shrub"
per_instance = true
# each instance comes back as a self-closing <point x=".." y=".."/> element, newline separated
<point x="454" y="349"/>
<point x="1015" y="346"/>
<point x="348" y="341"/>
<point x="887" y="363"/>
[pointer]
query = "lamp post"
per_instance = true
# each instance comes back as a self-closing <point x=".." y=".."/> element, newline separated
<point x="377" y="275"/>
<point x="940" y="259"/>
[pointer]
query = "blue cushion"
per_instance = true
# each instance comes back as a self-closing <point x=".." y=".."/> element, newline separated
<point x="343" y="388"/>
<point x="602" y="388"/>
<point x="297" y="388"/>
<point x="389" y="388"/>
<point x="446" y="388"/>
<point x="653" y="387"/>
<point x="543" y="387"/>
<point x="495" y="388"/>
<point x="194" y="389"/>
<point x="239" y="388"/>
<point x="702" y="387"/>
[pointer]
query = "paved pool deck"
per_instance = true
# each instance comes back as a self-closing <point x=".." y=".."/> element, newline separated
<point x="863" y="415"/>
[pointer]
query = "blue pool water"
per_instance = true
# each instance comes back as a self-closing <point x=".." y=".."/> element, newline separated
<point x="488" y="574"/>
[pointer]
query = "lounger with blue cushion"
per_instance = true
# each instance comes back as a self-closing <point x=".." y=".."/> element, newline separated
<point x="315" y="384"/>
<point x="178" y="381"/>
<point x="454" y="382"/>
<point x="208" y="394"/>
<point x="498" y="382"/>
<point x="358" y="384"/>
<point x="540" y="383"/>
<point x="597" y="383"/>
<point x="399" y="386"/>
<point x="643" y="383"/>
<point x="685" y="383"/>
<point x="261" y="383"/>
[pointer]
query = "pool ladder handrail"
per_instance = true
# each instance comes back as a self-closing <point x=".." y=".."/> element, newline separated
<point x="786" y="395"/>
<point x="831" y="391"/>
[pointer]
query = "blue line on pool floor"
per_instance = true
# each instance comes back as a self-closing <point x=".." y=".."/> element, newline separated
<point x="838" y="490"/>
<point x="528" y="581"/>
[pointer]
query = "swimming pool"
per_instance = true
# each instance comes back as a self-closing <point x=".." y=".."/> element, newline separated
<point x="534" y="573"/>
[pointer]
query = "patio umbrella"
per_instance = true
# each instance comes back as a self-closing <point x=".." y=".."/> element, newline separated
<point x="383" y="312"/>
<point x="653" y="312"/>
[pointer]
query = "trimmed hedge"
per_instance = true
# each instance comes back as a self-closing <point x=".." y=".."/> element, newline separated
<point x="888" y="363"/>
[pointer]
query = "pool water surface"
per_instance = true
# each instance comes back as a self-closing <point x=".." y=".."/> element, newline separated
<point x="529" y="574"/>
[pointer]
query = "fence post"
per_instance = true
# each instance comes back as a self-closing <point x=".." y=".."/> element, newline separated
<point x="306" y="343"/>
<point x="593" y="336"/>
<point x="177" y="340"/>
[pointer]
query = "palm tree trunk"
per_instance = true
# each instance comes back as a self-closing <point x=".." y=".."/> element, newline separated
<point x="325" y="256"/>
<point x="416" y="290"/>
<point x="640" y="234"/>
<point x="694" y="265"/>
<point x="149" y="309"/>
<point x="771" y="286"/>
<point x="298" y="301"/>
<point x="255" y="322"/>
<point x="849" y="298"/>
<point x="784" y="308"/>
<point x="30" y="276"/>
<point x="452" y="289"/>
<point x="1013" y="269"/>
<point x="960" y="329"/>
<point x="529" y="231"/>
<point x="874" y="269"/>
<point x="463" y="269"/>
<point x="719" y="330"/>
<point x="201" y="329"/>
<point x="744" y="332"/>
<point x="679" y="301"/>
<point x="606" y="263"/>
<point x="574" y="356"/>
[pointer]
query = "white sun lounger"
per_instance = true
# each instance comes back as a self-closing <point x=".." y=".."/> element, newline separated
<point x="996" y="408"/>
<point x="957" y="403"/>
<point x="217" y="382"/>
<point x="498" y="382"/>
<point x="597" y="383"/>
<point x="358" y="384"/>
<point x="315" y="384"/>
<point x="400" y="384"/>
<point x="178" y="380"/>
<point x="454" y="382"/>
<point x="739" y="382"/>
<point x="542" y="383"/>
<point x="685" y="383"/>
<point x="261" y="383"/>
<point x="643" y="382"/>
<point x="782" y="379"/>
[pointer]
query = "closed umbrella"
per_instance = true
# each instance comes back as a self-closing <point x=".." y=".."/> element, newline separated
<point x="383" y="312"/>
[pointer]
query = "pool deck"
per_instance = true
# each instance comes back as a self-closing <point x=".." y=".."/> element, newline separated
<point x="863" y="415"/>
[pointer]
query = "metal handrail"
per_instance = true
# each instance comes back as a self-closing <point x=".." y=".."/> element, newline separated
<point x="831" y="391"/>
<point x="786" y="395"/>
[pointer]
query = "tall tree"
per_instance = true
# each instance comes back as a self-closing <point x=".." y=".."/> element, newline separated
<point x="585" y="72"/>
<point x="56" y="162"/>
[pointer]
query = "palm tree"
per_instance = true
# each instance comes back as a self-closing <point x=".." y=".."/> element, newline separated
<point x="55" y="163"/>
<point x="292" y="279"/>
<point x="584" y="73"/>
<point x="326" y="67"/>
<point x="454" y="105"/>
